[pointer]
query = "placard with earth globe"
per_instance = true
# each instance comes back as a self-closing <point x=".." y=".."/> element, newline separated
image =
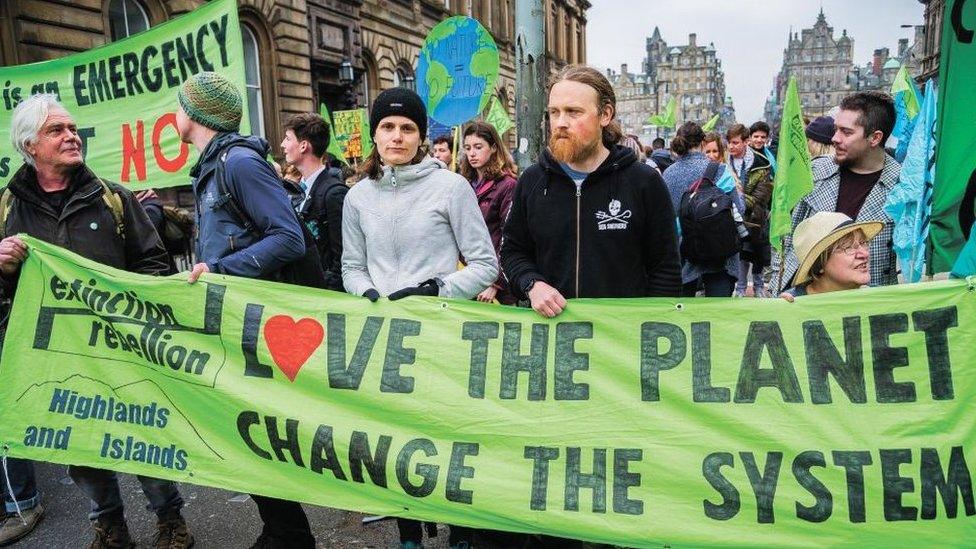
<point x="457" y="70"/>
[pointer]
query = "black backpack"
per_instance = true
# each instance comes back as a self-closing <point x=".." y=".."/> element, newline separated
<point x="304" y="271"/>
<point x="708" y="235"/>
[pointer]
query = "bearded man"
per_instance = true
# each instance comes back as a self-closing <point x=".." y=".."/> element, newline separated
<point x="589" y="219"/>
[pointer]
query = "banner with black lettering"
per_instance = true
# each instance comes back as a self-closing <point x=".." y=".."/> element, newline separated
<point x="843" y="419"/>
<point x="122" y="95"/>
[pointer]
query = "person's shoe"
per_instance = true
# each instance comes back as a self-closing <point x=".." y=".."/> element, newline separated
<point x="411" y="545"/>
<point x="267" y="541"/>
<point x="171" y="533"/>
<point x="264" y="541"/>
<point x="761" y="292"/>
<point x="111" y="532"/>
<point x="13" y="528"/>
<point x="739" y="293"/>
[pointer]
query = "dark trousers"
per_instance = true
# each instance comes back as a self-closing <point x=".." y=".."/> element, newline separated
<point x="102" y="488"/>
<point x="410" y="530"/>
<point x="714" y="284"/>
<point x="22" y="486"/>
<point x="413" y="530"/>
<point x="285" y="522"/>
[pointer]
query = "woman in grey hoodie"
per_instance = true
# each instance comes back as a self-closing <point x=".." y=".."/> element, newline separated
<point x="406" y="225"/>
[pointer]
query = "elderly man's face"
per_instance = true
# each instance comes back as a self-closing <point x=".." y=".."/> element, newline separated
<point x="58" y="145"/>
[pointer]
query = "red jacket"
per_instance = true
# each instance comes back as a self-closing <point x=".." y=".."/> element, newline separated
<point x="495" y="200"/>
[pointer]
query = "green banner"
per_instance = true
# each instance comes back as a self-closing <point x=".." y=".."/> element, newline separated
<point x="498" y="116"/>
<point x="794" y="179"/>
<point x="955" y="165"/>
<point x="842" y="419"/>
<point x="351" y="132"/>
<point x="123" y="95"/>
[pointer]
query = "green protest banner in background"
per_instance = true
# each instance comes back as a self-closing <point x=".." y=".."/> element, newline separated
<point x="842" y="419"/>
<point x="955" y="164"/>
<point x="351" y="131"/>
<point x="123" y="95"/>
<point x="794" y="179"/>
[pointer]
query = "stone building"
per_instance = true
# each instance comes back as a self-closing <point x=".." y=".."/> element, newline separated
<point x="826" y="72"/>
<point x="879" y="73"/>
<point x="296" y="50"/>
<point x="635" y="102"/>
<point x="932" y="38"/>
<point x="692" y="73"/>
<point x="821" y="63"/>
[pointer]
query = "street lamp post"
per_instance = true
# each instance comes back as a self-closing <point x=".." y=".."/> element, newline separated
<point x="346" y="78"/>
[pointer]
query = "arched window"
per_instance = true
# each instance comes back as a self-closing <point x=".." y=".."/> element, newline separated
<point x="125" y="18"/>
<point x="369" y="81"/>
<point x="252" y="80"/>
<point x="403" y="77"/>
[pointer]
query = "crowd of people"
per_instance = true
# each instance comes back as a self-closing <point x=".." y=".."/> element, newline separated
<point x="597" y="216"/>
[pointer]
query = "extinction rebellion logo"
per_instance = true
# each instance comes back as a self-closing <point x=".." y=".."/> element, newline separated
<point x="120" y="325"/>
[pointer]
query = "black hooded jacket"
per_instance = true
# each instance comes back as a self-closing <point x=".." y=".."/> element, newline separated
<point x="615" y="238"/>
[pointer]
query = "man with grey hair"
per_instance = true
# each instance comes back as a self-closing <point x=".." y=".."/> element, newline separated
<point x="55" y="197"/>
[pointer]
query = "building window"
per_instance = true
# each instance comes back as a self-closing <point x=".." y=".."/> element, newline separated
<point x="125" y="18"/>
<point x="403" y="76"/>
<point x="370" y="81"/>
<point x="252" y="80"/>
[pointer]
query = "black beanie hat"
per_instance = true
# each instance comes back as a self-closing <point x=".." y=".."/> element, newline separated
<point x="821" y="130"/>
<point x="399" y="102"/>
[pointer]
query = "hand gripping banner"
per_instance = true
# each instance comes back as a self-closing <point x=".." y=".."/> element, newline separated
<point x="843" y="419"/>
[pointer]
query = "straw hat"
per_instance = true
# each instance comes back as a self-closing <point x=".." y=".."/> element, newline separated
<point x="820" y="231"/>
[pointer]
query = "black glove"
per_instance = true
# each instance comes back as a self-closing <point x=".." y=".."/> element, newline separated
<point x="371" y="294"/>
<point x="428" y="287"/>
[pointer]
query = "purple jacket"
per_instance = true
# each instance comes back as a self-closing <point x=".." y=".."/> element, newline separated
<point x="495" y="200"/>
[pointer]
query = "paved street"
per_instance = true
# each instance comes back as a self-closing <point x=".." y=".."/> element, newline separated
<point x="218" y="518"/>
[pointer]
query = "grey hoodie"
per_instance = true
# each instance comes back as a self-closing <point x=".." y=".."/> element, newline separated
<point x="412" y="225"/>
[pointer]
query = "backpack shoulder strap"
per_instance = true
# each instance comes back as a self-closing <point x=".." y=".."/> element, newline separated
<point x="227" y="198"/>
<point x="114" y="203"/>
<point x="710" y="172"/>
<point x="6" y="200"/>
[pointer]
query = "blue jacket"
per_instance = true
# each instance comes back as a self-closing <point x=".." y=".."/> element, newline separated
<point x="681" y="175"/>
<point x="223" y="243"/>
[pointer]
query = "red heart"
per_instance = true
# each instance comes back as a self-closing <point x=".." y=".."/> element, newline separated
<point x="291" y="343"/>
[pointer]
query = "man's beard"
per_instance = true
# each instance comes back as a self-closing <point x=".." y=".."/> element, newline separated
<point x="845" y="162"/>
<point x="569" y="149"/>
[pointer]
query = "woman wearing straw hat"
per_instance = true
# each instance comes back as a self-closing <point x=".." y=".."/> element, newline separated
<point x="833" y="252"/>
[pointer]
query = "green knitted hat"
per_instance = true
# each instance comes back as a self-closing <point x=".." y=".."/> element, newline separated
<point x="212" y="100"/>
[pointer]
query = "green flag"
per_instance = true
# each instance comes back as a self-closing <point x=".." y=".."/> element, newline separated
<point x="794" y="178"/>
<point x="955" y="165"/>
<point x="710" y="125"/>
<point x="498" y="117"/>
<point x="334" y="148"/>
<point x="903" y="83"/>
<point x="665" y="119"/>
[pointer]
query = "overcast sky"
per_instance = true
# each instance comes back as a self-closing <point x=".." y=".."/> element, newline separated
<point x="749" y="35"/>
